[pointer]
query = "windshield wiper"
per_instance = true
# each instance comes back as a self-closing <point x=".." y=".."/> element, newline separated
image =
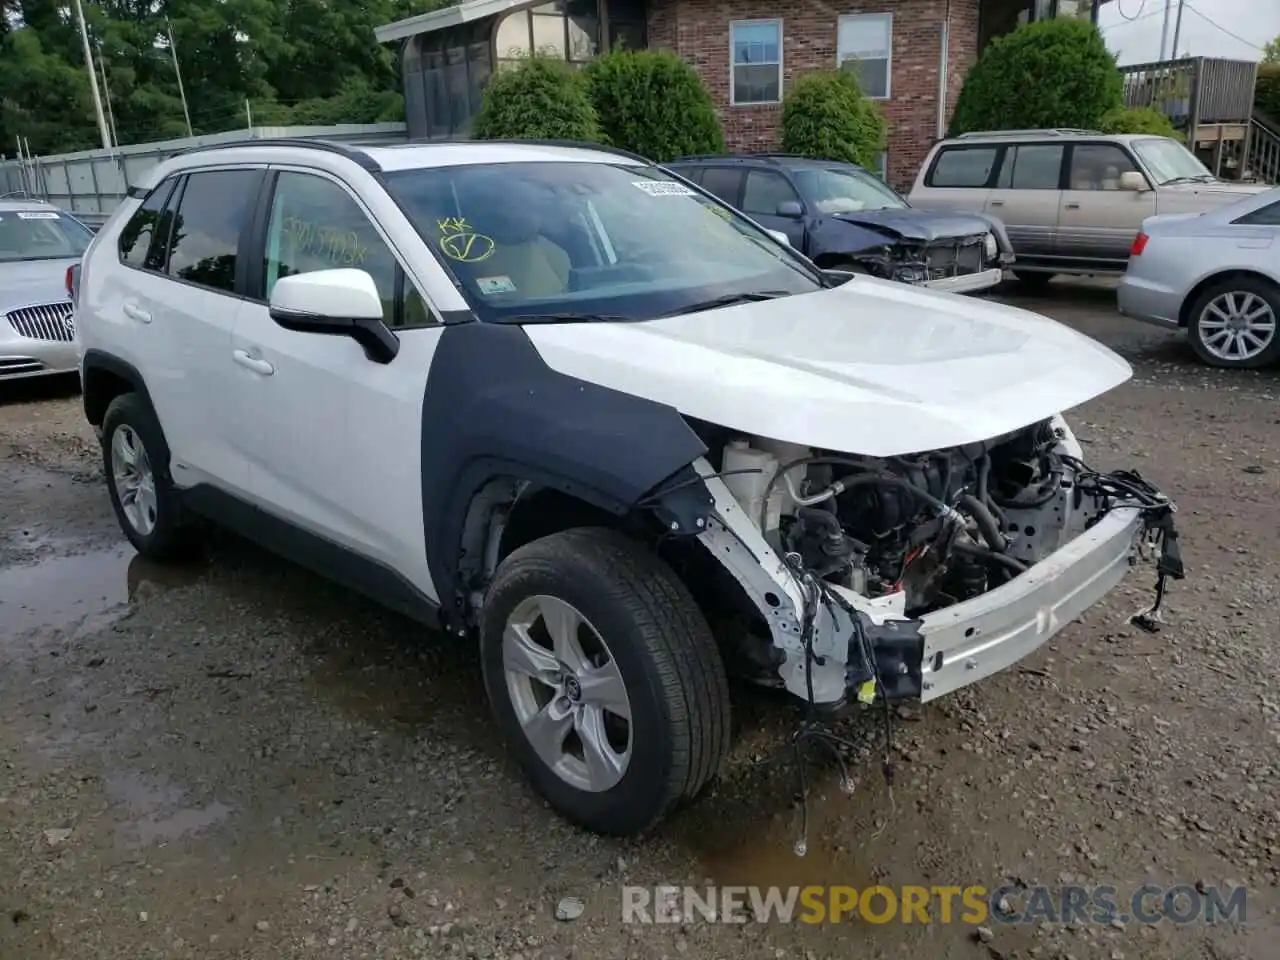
<point x="563" y="317"/>
<point x="1199" y="178"/>
<point x="729" y="299"/>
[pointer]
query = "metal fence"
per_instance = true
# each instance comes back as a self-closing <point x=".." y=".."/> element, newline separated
<point x="91" y="183"/>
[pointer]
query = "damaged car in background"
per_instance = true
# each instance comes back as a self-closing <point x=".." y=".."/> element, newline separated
<point x="627" y="463"/>
<point x="843" y="217"/>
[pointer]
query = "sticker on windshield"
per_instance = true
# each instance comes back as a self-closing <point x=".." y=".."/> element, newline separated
<point x="491" y="285"/>
<point x="664" y="188"/>
<point x="37" y="215"/>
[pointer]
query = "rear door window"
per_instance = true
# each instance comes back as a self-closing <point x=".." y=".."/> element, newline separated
<point x="765" y="191"/>
<point x="963" y="167"/>
<point x="725" y="183"/>
<point x="1031" y="166"/>
<point x="213" y="210"/>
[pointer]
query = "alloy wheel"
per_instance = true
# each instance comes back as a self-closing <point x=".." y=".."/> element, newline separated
<point x="1236" y="326"/>
<point x="134" y="479"/>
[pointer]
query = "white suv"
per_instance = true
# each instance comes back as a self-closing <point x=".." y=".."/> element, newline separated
<point x="560" y="402"/>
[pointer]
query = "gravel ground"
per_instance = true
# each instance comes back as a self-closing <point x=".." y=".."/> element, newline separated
<point x="235" y="759"/>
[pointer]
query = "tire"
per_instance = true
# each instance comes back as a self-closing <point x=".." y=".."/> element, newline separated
<point x="676" y="692"/>
<point x="1033" y="280"/>
<point x="156" y="525"/>
<point x="1255" y="298"/>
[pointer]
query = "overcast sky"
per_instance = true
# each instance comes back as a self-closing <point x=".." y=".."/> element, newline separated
<point x="1238" y="31"/>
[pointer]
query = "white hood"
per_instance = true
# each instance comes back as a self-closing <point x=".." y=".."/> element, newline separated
<point x="871" y="367"/>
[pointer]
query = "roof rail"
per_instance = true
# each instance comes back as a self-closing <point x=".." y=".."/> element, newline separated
<point x="328" y="146"/>
<point x="577" y="144"/>
<point x="1045" y="132"/>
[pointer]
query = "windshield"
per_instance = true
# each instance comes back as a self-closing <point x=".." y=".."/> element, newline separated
<point x="40" y="235"/>
<point x="591" y="241"/>
<point x="1169" y="160"/>
<point x="845" y="190"/>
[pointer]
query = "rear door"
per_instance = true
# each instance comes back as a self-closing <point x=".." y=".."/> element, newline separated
<point x="959" y="178"/>
<point x="1098" y="220"/>
<point x="184" y="300"/>
<point x="1026" y="197"/>
<point x="763" y="191"/>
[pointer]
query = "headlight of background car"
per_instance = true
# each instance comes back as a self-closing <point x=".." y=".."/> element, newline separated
<point x="992" y="247"/>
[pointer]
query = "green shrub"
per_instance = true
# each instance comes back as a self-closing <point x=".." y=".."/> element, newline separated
<point x="1266" y="95"/>
<point x="541" y="98"/>
<point x="1138" y="120"/>
<point x="1051" y="73"/>
<point x="653" y="103"/>
<point x="825" y="115"/>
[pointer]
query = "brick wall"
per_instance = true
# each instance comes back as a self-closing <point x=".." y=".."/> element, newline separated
<point x="698" y="30"/>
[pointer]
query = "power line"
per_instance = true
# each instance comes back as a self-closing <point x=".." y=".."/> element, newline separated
<point x="1137" y="16"/>
<point x="1217" y="26"/>
<point x="1135" y="19"/>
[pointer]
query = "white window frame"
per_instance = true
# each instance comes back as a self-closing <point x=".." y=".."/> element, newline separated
<point x="887" y="18"/>
<point x="733" y="87"/>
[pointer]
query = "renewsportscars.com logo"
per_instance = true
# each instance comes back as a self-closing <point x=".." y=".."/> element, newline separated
<point x="972" y="905"/>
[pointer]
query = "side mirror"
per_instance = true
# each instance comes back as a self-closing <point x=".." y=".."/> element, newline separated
<point x="781" y="237"/>
<point x="790" y="209"/>
<point x="1133" y="180"/>
<point x="342" y="302"/>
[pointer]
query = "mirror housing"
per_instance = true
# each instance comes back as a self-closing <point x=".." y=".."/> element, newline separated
<point x="1133" y="180"/>
<point x="340" y="302"/>
<point x="791" y="209"/>
<point x="781" y="237"/>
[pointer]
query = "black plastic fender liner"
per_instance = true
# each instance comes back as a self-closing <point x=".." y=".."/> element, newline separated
<point x="494" y="408"/>
<point x="99" y="361"/>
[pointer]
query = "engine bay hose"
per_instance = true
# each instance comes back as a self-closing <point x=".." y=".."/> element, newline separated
<point x="987" y="524"/>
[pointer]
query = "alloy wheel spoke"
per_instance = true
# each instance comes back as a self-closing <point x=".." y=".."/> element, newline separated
<point x="604" y="765"/>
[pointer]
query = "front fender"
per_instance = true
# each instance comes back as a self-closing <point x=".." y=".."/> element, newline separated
<point x="832" y="238"/>
<point x="492" y="408"/>
<point x="1002" y="237"/>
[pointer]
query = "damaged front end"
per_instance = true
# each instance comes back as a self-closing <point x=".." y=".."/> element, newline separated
<point x="910" y="577"/>
<point x="963" y="262"/>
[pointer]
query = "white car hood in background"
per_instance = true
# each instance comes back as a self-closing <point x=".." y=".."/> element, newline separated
<point x="872" y="367"/>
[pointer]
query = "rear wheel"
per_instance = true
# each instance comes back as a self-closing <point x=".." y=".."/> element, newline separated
<point x="136" y="461"/>
<point x="1233" y="323"/>
<point x="604" y="678"/>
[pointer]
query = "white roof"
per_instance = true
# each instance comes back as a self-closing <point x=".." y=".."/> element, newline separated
<point x="412" y="156"/>
<point x="455" y="16"/>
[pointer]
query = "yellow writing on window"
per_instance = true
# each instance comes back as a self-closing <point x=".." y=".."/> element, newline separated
<point x="332" y="244"/>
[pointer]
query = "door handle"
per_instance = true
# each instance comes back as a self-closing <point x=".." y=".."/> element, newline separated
<point x="997" y="203"/>
<point x="256" y="364"/>
<point x="1073" y="206"/>
<point x="135" y="312"/>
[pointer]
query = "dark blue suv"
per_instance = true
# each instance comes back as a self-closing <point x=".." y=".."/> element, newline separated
<point x="843" y="217"/>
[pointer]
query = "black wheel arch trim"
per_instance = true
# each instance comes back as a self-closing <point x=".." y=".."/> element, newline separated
<point x="100" y="360"/>
<point x="493" y="408"/>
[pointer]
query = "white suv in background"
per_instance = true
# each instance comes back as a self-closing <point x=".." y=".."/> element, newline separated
<point x="559" y="401"/>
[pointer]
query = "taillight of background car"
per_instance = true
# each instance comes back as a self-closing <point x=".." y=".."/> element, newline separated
<point x="1139" y="244"/>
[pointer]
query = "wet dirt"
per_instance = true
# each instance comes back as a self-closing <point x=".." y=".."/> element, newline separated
<point x="233" y="758"/>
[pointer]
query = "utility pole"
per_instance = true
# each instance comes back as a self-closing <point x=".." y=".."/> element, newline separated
<point x="93" y="77"/>
<point x="173" y="51"/>
<point x="248" y="113"/>
<point x="106" y="95"/>
<point x="1177" y="30"/>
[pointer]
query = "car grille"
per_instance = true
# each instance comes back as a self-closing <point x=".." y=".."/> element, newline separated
<point x="45" y="321"/>
<point x="955" y="258"/>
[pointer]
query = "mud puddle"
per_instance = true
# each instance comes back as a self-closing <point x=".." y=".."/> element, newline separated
<point x="158" y="811"/>
<point x="77" y="593"/>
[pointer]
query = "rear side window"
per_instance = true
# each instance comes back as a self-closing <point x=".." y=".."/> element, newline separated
<point x="212" y="211"/>
<point x="138" y="244"/>
<point x="693" y="174"/>
<point x="1268" y="216"/>
<point x="962" y="167"/>
<point x="1032" y="166"/>
<point x="724" y="182"/>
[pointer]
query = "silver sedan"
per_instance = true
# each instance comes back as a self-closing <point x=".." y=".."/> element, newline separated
<point x="1216" y="275"/>
<point x="38" y="243"/>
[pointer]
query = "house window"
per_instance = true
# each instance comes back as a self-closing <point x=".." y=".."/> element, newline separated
<point x="881" y="166"/>
<point x="864" y="44"/>
<point x="756" y="55"/>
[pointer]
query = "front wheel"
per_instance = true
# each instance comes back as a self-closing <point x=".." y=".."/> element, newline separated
<point x="604" y="678"/>
<point x="1233" y="323"/>
<point x="1033" y="281"/>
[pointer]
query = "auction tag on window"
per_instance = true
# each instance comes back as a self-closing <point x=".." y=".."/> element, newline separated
<point x="37" y="215"/>
<point x="490" y="285"/>
<point x="664" y="188"/>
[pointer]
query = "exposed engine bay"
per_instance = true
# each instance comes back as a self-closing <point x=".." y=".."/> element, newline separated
<point x="883" y="546"/>
<point x="913" y="261"/>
